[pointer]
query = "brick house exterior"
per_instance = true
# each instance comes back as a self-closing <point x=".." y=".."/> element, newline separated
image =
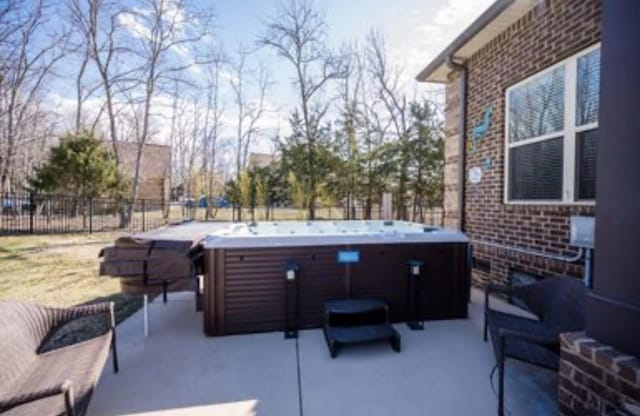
<point x="510" y="44"/>
<point x="540" y="38"/>
<point x="261" y="160"/>
<point x="155" y="169"/>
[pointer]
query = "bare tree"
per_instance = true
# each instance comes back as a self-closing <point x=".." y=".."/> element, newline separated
<point x="350" y="110"/>
<point x="81" y="94"/>
<point x="364" y="126"/>
<point x="103" y="37"/>
<point x="193" y="136"/>
<point x="83" y="18"/>
<point x="28" y="56"/>
<point x="249" y="97"/>
<point x="168" y="43"/>
<point x="10" y="24"/>
<point x="175" y="99"/>
<point x="297" y="33"/>
<point x="375" y="128"/>
<point x="82" y="49"/>
<point x="389" y="91"/>
<point x="187" y="132"/>
<point x="212" y="126"/>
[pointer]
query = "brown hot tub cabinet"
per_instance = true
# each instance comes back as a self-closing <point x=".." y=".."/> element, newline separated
<point x="245" y="287"/>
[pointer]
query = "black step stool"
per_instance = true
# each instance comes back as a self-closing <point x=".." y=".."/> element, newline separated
<point x="352" y="321"/>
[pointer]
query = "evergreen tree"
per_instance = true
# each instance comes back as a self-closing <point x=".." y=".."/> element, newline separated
<point x="82" y="166"/>
<point x="312" y="163"/>
<point x="348" y="186"/>
<point x="427" y="159"/>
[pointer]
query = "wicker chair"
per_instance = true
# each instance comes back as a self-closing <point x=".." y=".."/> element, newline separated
<point x="56" y="382"/>
<point x="558" y="304"/>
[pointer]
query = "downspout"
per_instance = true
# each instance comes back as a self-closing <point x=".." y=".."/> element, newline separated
<point x="462" y="125"/>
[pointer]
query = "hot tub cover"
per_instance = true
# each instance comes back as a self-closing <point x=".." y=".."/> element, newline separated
<point x="167" y="253"/>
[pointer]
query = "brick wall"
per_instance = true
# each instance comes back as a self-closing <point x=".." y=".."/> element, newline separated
<point x="596" y="378"/>
<point x="550" y="32"/>
<point x="155" y="168"/>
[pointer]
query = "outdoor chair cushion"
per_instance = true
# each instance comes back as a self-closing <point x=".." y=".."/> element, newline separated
<point x="518" y="348"/>
<point x="81" y="364"/>
<point x="557" y="302"/>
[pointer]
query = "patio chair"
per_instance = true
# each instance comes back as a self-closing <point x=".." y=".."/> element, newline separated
<point x="557" y="302"/>
<point x="56" y="382"/>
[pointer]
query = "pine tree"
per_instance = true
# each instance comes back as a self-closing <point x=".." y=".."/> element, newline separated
<point x="427" y="159"/>
<point x="81" y="166"/>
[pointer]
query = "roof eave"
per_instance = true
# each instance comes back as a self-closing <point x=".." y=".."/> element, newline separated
<point x="449" y="52"/>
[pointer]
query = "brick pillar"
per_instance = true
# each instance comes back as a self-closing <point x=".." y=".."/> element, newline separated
<point x="452" y="153"/>
<point x="596" y="379"/>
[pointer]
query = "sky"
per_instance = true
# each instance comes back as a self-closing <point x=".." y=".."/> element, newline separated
<point x="415" y="32"/>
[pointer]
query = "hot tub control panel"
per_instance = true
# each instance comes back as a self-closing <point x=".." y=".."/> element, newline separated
<point x="348" y="256"/>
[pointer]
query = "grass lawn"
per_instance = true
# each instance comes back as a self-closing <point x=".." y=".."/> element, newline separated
<point x="62" y="270"/>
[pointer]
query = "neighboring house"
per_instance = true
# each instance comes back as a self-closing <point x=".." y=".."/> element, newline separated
<point x="261" y="160"/>
<point x="155" y="169"/>
<point x="529" y="70"/>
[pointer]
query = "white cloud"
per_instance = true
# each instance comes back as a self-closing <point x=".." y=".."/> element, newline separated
<point x="454" y="12"/>
<point x="175" y="14"/>
<point x="426" y="32"/>
<point x="172" y="14"/>
<point x="133" y="24"/>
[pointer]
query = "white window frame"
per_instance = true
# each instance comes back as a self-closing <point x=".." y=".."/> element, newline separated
<point x="568" y="134"/>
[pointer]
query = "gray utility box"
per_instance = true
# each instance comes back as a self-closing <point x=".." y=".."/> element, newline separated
<point x="582" y="231"/>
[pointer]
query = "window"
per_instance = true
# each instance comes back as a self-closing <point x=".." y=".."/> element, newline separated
<point x="552" y="130"/>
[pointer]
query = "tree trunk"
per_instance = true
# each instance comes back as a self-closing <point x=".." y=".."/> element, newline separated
<point x="402" y="187"/>
<point x="79" y="98"/>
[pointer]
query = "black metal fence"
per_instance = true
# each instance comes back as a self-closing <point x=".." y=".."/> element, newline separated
<point x="428" y="216"/>
<point x="280" y="214"/>
<point x="30" y="213"/>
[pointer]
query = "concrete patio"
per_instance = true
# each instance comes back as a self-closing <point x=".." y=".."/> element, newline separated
<point x="176" y="370"/>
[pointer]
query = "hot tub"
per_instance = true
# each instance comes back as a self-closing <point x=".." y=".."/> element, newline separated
<point x="246" y="287"/>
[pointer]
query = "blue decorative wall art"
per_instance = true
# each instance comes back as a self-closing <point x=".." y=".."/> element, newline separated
<point x="481" y="128"/>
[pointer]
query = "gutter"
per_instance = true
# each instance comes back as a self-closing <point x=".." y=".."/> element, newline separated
<point x="462" y="125"/>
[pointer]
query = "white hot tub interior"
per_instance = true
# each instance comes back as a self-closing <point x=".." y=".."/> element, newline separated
<point x="327" y="227"/>
<point x="327" y="232"/>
